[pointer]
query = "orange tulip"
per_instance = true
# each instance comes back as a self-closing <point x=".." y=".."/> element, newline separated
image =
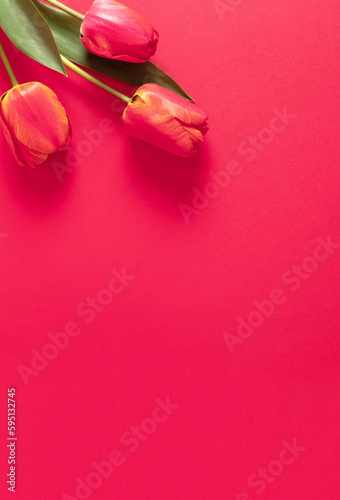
<point x="165" y="119"/>
<point x="35" y="123"/>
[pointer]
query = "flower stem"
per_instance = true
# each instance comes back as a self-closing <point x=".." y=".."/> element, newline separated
<point x="94" y="80"/>
<point x="9" y="70"/>
<point x="66" y="9"/>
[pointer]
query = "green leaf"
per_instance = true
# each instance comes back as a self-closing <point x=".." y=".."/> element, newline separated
<point x="28" y="30"/>
<point x="66" y="32"/>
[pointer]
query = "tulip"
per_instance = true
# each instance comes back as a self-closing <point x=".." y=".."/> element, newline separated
<point x="112" y="30"/>
<point x="165" y="119"/>
<point x="35" y="123"/>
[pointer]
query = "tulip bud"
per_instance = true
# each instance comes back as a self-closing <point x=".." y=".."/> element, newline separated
<point x="165" y="119"/>
<point x="34" y="122"/>
<point x="112" y="30"/>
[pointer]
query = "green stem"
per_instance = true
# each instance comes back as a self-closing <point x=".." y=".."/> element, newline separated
<point x="94" y="80"/>
<point x="66" y="9"/>
<point x="9" y="70"/>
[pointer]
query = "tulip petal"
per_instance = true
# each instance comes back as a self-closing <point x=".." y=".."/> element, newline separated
<point x="36" y="118"/>
<point x="22" y="155"/>
<point x="158" y="127"/>
<point x="187" y="112"/>
<point x="35" y="123"/>
<point x="195" y="134"/>
<point x="164" y="119"/>
<point x="113" y="30"/>
<point x="11" y="144"/>
<point x="33" y="158"/>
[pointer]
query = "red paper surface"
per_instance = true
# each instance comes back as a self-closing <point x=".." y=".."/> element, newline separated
<point x="186" y="382"/>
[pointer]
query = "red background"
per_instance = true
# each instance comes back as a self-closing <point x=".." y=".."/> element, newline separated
<point x="163" y="336"/>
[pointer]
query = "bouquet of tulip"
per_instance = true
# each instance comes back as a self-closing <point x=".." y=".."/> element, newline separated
<point x="111" y="39"/>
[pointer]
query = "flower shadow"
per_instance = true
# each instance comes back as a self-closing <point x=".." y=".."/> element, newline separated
<point x="38" y="189"/>
<point x="163" y="178"/>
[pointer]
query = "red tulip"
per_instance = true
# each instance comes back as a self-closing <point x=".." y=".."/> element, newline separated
<point x="165" y="119"/>
<point x="112" y="30"/>
<point x="34" y="122"/>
